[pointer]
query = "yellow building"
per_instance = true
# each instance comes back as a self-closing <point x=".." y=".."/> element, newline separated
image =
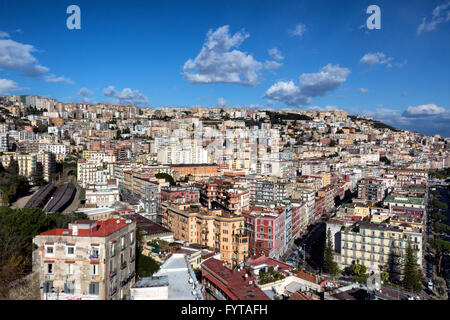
<point x="87" y="154"/>
<point x="219" y="230"/>
<point x="26" y="162"/>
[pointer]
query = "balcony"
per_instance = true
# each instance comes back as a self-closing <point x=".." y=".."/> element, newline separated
<point x="94" y="256"/>
<point x="113" y="272"/>
<point x="133" y="258"/>
<point x="123" y="265"/>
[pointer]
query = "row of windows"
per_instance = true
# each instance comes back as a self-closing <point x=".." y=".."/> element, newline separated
<point x="69" y="287"/>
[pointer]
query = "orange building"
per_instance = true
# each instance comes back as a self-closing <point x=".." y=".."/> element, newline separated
<point x="196" y="170"/>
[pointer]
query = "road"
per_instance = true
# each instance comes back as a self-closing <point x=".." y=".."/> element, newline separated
<point x="21" y="202"/>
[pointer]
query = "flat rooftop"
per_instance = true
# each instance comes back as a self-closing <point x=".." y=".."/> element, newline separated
<point x="177" y="272"/>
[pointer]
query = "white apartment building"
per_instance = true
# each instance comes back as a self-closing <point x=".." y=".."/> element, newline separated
<point x="90" y="260"/>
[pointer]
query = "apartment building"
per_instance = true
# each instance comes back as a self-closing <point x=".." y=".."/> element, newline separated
<point x="26" y="162"/>
<point x="376" y="246"/>
<point x="102" y="194"/>
<point x="217" y="193"/>
<point x="90" y="260"/>
<point x="217" y="229"/>
<point x="196" y="170"/>
<point x="372" y="189"/>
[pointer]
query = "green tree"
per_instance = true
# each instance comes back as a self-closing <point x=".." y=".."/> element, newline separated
<point x="329" y="266"/>
<point x="440" y="246"/>
<point x="385" y="160"/>
<point x="439" y="205"/>
<point x="166" y="177"/>
<point x="411" y="276"/>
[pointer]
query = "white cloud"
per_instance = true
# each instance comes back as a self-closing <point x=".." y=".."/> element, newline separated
<point x="311" y="85"/>
<point x="299" y="30"/>
<point x="221" y="102"/>
<point x="325" y="108"/>
<point x="329" y="78"/>
<point x="6" y="86"/>
<point x="424" y="110"/>
<point x="363" y="90"/>
<point x="53" y="78"/>
<point x="4" y="34"/>
<point x="272" y="65"/>
<point x="440" y="15"/>
<point x="375" y="58"/>
<point x="276" y="54"/>
<point x="126" y="96"/>
<point x="17" y="56"/>
<point x="287" y="92"/>
<point x="84" y="92"/>
<point x="216" y="62"/>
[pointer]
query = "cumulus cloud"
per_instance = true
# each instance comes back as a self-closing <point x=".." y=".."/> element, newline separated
<point x="363" y="90"/>
<point x="217" y="62"/>
<point x="84" y="92"/>
<point x="424" y="110"/>
<point x="299" y="30"/>
<point x="325" y="108"/>
<point x="126" y="96"/>
<point x="18" y="56"/>
<point x="428" y="119"/>
<point x="53" y="78"/>
<point x="276" y="54"/>
<point x="4" y="34"/>
<point x="287" y="92"/>
<point x="311" y="85"/>
<point x="271" y="65"/>
<point x="440" y="14"/>
<point x="375" y="58"/>
<point x="6" y="86"/>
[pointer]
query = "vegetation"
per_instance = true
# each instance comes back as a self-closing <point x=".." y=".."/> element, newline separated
<point x="438" y="217"/>
<point x="270" y="276"/>
<point x="277" y="117"/>
<point x="412" y="279"/>
<point x="439" y="205"/>
<point x="329" y="265"/>
<point x="380" y="125"/>
<point x="42" y="128"/>
<point x="145" y="266"/>
<point x="12" y="185"/>
<point x="441" y="227"/>
<point x="166" y="177"/>
<point x="385" y="160"/>
<point x="439" y="174"/>
<point x="359" y="273"/>
<point x="17" y="230"/>
<point x="440" y="246"/>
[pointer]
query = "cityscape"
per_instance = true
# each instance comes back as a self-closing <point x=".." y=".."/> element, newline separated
<point x="302" y="195"/>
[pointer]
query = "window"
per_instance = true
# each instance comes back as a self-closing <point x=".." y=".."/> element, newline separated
<point x="50" y="268"/>
<point x="94" y="269"/>
<point x="49" y="251"/>
<point x="122" y="242"/>
<point x="69" y="268"/>
<point x="70" y="250"/>
<point x="47" y="286"/>
<point x="112" y="248"/>
<point x="94" y="288"/>
<point x="95" y="252"/>
<point x="69" y="287"/>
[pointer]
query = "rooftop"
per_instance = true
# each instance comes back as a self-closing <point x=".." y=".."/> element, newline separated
<point x="100" y="228"/>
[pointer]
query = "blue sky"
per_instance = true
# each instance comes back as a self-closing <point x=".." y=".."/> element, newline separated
<point x="210" y="53"/>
